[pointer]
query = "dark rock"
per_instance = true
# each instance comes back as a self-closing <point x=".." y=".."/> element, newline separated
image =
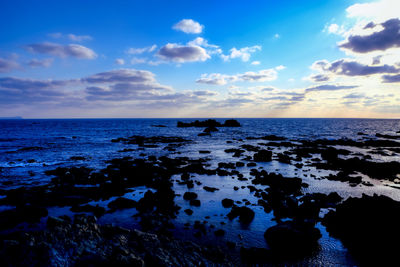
<point x="292" y="238"/>
<point x="210" y="189"/>
<point x="231" y="123"/>
<point x="255" y="256"/>
<point x="189" y="196"/>
<point x="122" y="203"/>
<point x="367" y="227"/>
<point x="219" y="232"/>
<point x="195" y="202"/>
<point x="188" y="211"/>
<point x="246" y="215"/>
<point x="210" y="129"/>
<point x="204" y="151"/>
<point x="263" y="156"/>
<point x="96" y="210"/>
<point x="227" y="203"/>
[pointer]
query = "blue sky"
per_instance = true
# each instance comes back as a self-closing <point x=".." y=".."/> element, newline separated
<point x="199" y="59"/>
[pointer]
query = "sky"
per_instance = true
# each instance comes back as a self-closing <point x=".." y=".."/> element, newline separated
<point x="156" y="59"/>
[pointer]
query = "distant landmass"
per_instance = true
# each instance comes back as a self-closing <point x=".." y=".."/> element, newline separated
<point x="11" y="118"/>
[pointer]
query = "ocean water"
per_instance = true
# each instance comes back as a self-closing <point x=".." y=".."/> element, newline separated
<point x="30" y="147"/>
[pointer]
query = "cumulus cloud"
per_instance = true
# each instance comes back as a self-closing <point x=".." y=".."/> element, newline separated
<point x="188" y="26"/>
<point x="20" y="90"/>
<point x="7" y="65"/>
<point x="211" y="48"/>
<point x="351" y="68"/>
<point x="250" y="76"/>
<point x="243" y="53"/>
<point x="41" y="63"/>
<point x="71" y="50"/>
<point x="377" y="10"/>
<point x="181" y="53"/>
<point x="147" y="49"/>
<point x="115" y="86"/>
<point x="388" y="37"/>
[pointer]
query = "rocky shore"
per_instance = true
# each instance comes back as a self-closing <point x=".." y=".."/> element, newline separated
<point x="364" y="225"/>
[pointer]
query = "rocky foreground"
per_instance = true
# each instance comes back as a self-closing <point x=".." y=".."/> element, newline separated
<point x="367" y="226"/>
<point x="85" y="243"/>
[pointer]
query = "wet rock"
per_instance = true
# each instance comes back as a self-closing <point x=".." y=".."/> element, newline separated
<point x="55" y="222"/>
<point x="210" y="130"/>
<point x="226" y="165"/>
<point x="246" y="215"/>
<point x="189" y="196"/>
<point x="122" y="203"/>
<point x="195" y="202"/>
<point x="85" y="243"/>
<point x="210" y="189"/>
<point x="262" y="156"/>
<point x="231" y="123"/>
<point x="188" y="211"/>
<point x="367" y="227"/>
<point x="96" y="210"/>
<point x="24" y="213"/>
<point x="255" y="255"/>
<point x="283" y="158"/>
<point x="219" y="232"/>
<point x="227" y="203"/>
<point x="292" y="238"/>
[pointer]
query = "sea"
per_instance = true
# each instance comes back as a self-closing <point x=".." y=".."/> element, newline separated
<point x="29" y="147"/>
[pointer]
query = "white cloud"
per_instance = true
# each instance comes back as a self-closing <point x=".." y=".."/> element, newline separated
<point x="119" y="61"/>
<point x="71" y="50"/>
<point x="147" y="49"/>
<point x="243" y="53"/>
<point x="280" y="67"/>
<point x="250" y="76"/>
<point x="255" y="63"/>
<point x="180" y="53"/>
<point x="188" y="26"/>
<point x="378" y="11"/>
<point x="211" y="49"/>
